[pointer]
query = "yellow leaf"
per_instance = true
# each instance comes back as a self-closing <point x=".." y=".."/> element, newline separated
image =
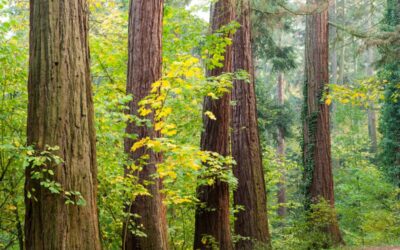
<point x="159" y="125"/>
<point x="210" y="115"/>
<point x="328" y="101"/>
<point x="139" y="144"/>
<point x="11" y="207"/>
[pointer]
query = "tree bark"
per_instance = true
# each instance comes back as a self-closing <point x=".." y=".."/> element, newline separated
<point x="212" y="216"/>
<point x="60" y="113"/>
<point x="251" y="221"/>
<point x="144" y="68"/>
<point x="317" y="143"/>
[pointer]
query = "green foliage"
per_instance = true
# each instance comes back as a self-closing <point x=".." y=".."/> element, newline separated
<point x="364" y="92"/>
<point x="366" y="202"/>
<point x="268" y="34"/>
<point x="13" y="106"/>
<point x="390" y="155"/>
<point x="42" y="167"/>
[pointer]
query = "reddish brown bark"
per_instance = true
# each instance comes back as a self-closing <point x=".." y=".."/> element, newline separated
<point x="60" y="113"/>
<point x="144" y="68"/>
<point x="317" y="143"/>
<point x="250" y="194"/>
<point x="212" y="220"/>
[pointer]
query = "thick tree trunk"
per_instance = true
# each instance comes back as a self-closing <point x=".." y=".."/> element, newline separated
<point x="317" y="143"/>
<point x="212" y="216"/>
<point x="60" y="113"/>
<point x="281" y="151"/>
<point x="252" y="221"/>
<point x="144" y="68"/>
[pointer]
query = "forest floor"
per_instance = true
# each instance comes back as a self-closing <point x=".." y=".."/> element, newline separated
<point x="380" y="248"/>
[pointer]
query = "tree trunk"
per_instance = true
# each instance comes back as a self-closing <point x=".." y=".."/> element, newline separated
<point x="212" y="216"/>
<point x="317" y="143"/>
<point x="281" y="151"/>
<point x="60" y="113"/>
<point x="144" y="68"/>
<point x="342" y="49"/>
<point x="333" y="35"/>
<point x="252" y="221"/>
<point x="371" y="111"/>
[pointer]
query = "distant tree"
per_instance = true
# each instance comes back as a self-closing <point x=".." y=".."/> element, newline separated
<point x="390" y="120"/>
<point x="317" y="143"/>
<point x="60" y="114"/>
<point x="144" y="68"/>
<point x="372" y="127"/>
<point x="212" y="215"/>
<point x="251" y="221"/>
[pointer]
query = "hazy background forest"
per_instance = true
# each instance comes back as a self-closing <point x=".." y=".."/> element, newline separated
<point x="364" y="82"/>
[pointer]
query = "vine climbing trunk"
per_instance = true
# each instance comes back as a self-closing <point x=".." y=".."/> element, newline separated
<point x="212" y="215"/>
<point x="317" y="143"/>
<point x="144" y="68"/>
<point x="251" y="221"/>
<point x="60" y="113"/>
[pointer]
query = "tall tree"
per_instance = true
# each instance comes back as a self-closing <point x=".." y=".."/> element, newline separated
<point x="252" y="220"/>
<point x="212" y="216"/>
<point x="317" y="143"/>
<point x="341" y="15"/>
<point x="281" y="134"/>
<point x="334" y="37"/>
<point x="390" y="111"/>
<point x="372" y="131"/>
<point x="60" y="113"/>
<point x="144" y="68"/>
<point x="281" y="195"/>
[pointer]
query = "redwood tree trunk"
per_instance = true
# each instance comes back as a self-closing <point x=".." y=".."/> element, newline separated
<point x="212" y="219"/>
<point x="60" y="113"/>
<point x="317" y="143"/>
<point x="144" y="68"/>
<point x="252" y="221"/>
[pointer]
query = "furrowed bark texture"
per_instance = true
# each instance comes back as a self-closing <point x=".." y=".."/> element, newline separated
<point x="144" y="68"/>
<point x="317" y="143"/>
<point x="213" y="219"/>
<point x="252" y="221"/>
<point x="60" y="113"/>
